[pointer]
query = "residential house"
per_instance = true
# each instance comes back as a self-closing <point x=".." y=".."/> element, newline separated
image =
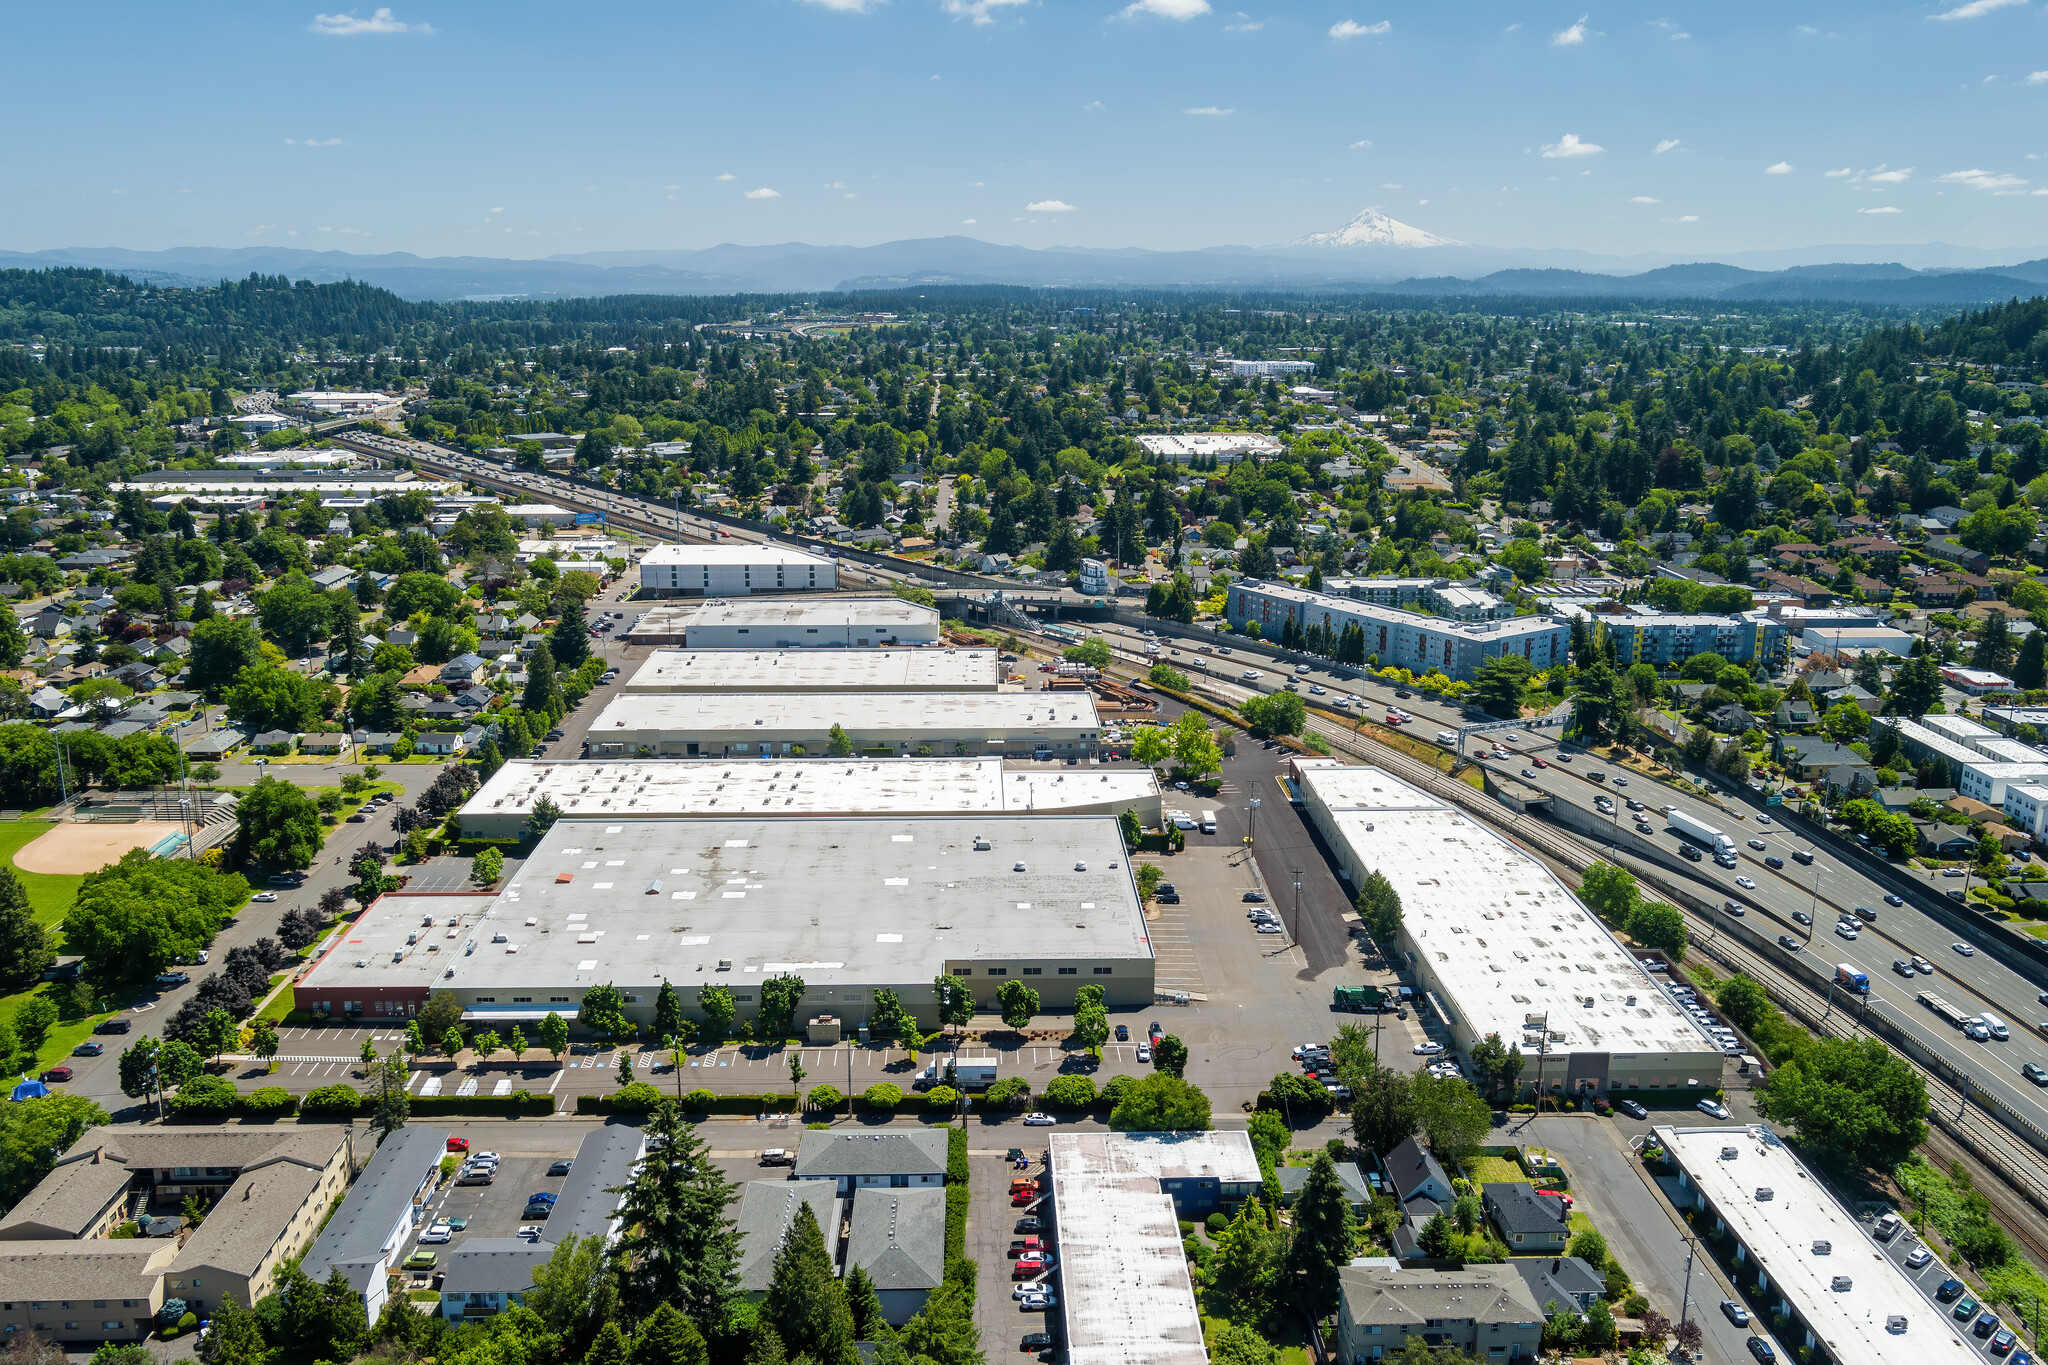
<point x="1732" y="719"/>
<point x="171" y="651"/>
<point x="899" y="1237"/>
<point x="369" y="1232"/>
<point x="1423" y="1188"/>
<point x="328" y="742"/>
<point x="1807" y="757"/>
<point x="1562" y="1280"/>
<point x="212" y="746"/>
<point x="378" y="741"/>
<point x="273" y="742"/>
<point x="473" y="698"/>
<point x="437" y="742"/>
<point x="891" y="1158"/>
<point x="336" y="576"/>
<point x="1794" y="715"/>
<point x="47" y="702"/>
<point x="1357" y="1193"/>
<point x="138" y="677"/>
<point x="1527" y="1221"/>
<point x="1485" y="1311"/>
<point x="1943" y="841"/>
<point x="1955" y="552"/>
<point x="766" y="1209"/>
<point x="464" y="668"/>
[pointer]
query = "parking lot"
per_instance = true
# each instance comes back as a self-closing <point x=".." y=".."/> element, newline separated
<point x="992" y="1225"/>
<point x="498" y="1208"/>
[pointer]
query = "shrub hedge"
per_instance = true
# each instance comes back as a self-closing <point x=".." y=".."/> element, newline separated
<point x="957" y="1171"/>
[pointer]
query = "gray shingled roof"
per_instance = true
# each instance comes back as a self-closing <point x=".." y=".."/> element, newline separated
<point x="889" y="1152"/>
<point x="1516" y="1207"/>
<point x="493" y="1265"/>
<point x="74" y="1270"/>
<point x="766" y="1208"/>
<point x="899" y="1236"/>
<point x="1481" y="1293"/>
<point x="354" y="1238"/>
<point x="604" y="1162"/>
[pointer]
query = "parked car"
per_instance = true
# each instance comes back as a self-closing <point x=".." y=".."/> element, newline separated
<point x="1763" y="1351"/>
<point x="435" y="1234"/>
<point x="1429" y="1049"/>
<point x="778" y="1156"/>
<point x="114" y="1026"/>
<point x="88" y="1049"/>
<point x="264" y="897"/>
<point x="1123" y="1033"/>
<point x="1735" y="1312"/>
<point x="1712" y="1108"/>
<point x="560" y="1167"/>
<point x="1035" y="1119"/>
<point x="1632" y="1109"/>
<point x="458" y="1144"/>
<point x="57" y="1073"/>
<point x="422" y="1260"/>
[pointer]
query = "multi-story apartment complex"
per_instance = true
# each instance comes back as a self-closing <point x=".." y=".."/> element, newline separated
<point x="1402" y="638"/>
<point x="1666" y="640"/>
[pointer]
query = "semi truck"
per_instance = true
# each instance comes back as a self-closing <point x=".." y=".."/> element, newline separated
<point x="966" y="1073"/>
<point x="1852" y="978"/>
<point x="1705" y="835"/>
<point x="1955" y="1017"/>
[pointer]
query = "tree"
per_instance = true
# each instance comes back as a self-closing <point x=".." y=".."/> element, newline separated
<point x="1383" y="1111"/>
<point x="1610" y="892"/>
<point x="610" y="1346"/>
<point x="1494" y="1064"/>
<point x="1379" y="909"/>
<point x="24" y="944"/>
<point x="1245" y="1266"/>
<point x="676" y="1243"/>
<point x="1325" y="1235"/>
<point x="1017" y="1003"/>
<point x="394" y="1103"/>
<point x="1743" y="1001"/>
<point x="603" y="1012"/>
<point x="1656" y="925"/>
<point x="888" y="1018"/>
<point x="236" y="1337"/>
<point x="1590" y="1247"/>
<point x="1170" y="1056"/>
<point x="805" y="1303"/>
<point x="266" y="697"/>
<point x="1160" y="1103"/>
<point x="668" y="1011"/>
<point x="955" y="1003"/>
<point x="221" y="648"/>
<point x="1091" y="1017"/>
<point x="540" y="819"/>
<point x="2031" y="672"/>
<point x="543" y="693"/>
<point x="34" y="1133"/>
<point x="574" y="1294"/>
<point x="1452" y="1116"/>
<point x="320" y="1321"/>
<point x="277" y="825"/>
<point x="1916" y="686"/>
<point x="1434" y="1240"/>
<point x="1094" y="652"/>
<point x="719" y="1010"/>
<point x="1500" y="684"/>
<point x="554" y="1035"/>
<point x="132" y="918"/>
<point x="1852" y="1102"/>
<point x="1151" y="745"/>
<point x="33" y="1020"/>
<point x="452" y="1041"/>
<point x="866" y="1302"/>
<point x="1194" y="747"/>
<point x="1276" y="713"/>
<point x="486" y="868"/>
<point x="838" y="743"/>
<point x="666" y="1337"/>
<point x="568" y="642"/>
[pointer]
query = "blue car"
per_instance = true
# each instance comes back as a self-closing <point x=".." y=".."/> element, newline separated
<point x="542" y="1198"/>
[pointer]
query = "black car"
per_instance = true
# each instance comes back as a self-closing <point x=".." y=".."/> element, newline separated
<point x="1403" y="695"/>
<point x="538" y="1210"/>
<point x="560" y="1167"/>
<point x="1632" y="1109"/>
<point x="114" y="1026"/>
<point x="1774" y="861"/>
<point x="1950" y="1289"/>
<point x="1254" y="898"/>
<point x="1036" y="1341"/>
<point x="1028" y="1223"/>
<point x="1166" y="898"/>
<point x="1894" y="898"/>
<point x="1123" y="1033"/>
<point x="1763" y="1350"/>
<point x="1801" y="917"/>
<point x="1156" y="1032"/>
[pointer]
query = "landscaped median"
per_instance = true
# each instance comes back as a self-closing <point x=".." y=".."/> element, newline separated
<point x="211" y="1099"/>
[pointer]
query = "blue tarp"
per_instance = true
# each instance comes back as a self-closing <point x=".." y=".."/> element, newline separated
<point x="30" y="1090"/>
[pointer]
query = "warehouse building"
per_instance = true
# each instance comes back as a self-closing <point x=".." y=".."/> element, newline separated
<point x="1665" y="640"/>
<point x="1810" y="1257"/>
<point x="1499" y="945"/>
<point x="1398" y="638"/>
<point x="848" y="905"/>
<point x="661" y="789"/>
<point x="734" y="570"/>
<point x="675" y="671"/>
<point x="880" y="724"/>
<point x="784" y="623"/>
<point x="1126" y="1298"/>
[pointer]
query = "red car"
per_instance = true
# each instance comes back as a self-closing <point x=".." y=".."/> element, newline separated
<point x="1538" y="762"/>
<point x="57" y="1073"/>
<point x="1019" y="1198"/>
<point x="458" y="1144"/>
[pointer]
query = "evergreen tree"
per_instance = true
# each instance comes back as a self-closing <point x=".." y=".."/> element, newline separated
<point x="202" y="605"/>
<point x="24" y="944"/>
<point x="2031" y="672"/>
<point x="766" y="1348"/>
<point x="1325" y="1235"/>
<point x="668" y="1011"/>
<point x="610" y="1346"/>
<point x="569" y="643"/>
<point x="678" y="1245"/>
<point x="669" y="1338"/>
<point x="943" y="1330"/>
<point x="805" y="1303"/>
<point x="866" y="1303"/>
<point x="543" y="694"/>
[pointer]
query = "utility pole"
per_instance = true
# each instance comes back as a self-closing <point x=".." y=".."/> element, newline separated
<point x="1295" y="873"/>
<point x="1685" y="1298"/>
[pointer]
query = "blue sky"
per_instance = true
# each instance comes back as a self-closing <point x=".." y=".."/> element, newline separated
<point x="517" y="129"/>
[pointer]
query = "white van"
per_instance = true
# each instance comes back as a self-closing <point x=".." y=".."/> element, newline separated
<point x="1998" y="1027"/>
<point x="1208" y="822"/>
<point x="1447" y="736"/>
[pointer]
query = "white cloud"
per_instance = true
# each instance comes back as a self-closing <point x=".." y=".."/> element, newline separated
<point x="728" y="176"/>
<point x="1882" y="176"/>
<point x="978" y="10"/>
<point x="1167" y="9"/>
<point x="1682" y="218"/>
<point x="381" y="20"/>
<point x="2038" y="78"/>
<point x="849" y="195"/>
<point x="835" y="184"/>
<point x="1668" y="144"/>
<point x="1644" y="199"/>
<point x="1050" y="206"/>
<point x="1569" y="146"/>
<point x="764" y="193"/>
<point x="1976" y="9"/>
<point x="1837" y="175"/>
<point x="262" y="228"/>
<point x="1360" y="145"/>
<point x="1807" y="31"/>
<point x="847" y="6"/>
<point x="1209" y="111"/>
<point x="1983" y="180"/>
<point x="314" y="142"/>
<point x="1093" y="107"/>
<point x="1886" y="208"/>
<point x="1351" y="28"/>
<point x="1778" y="168"/>
<point x="1245" y="24"/>
<point x="967" y="222"/>
<point x="499" y="209"/>
<point x="1571" y="37"/>
<point x="1390" y="185"/>
<point x="1680" y="37"/>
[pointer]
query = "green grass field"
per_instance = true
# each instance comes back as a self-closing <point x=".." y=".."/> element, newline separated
<point x="1485" y="1170"/>
<point x="49" y="893"/>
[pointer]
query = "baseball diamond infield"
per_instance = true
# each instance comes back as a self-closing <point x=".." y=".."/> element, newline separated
<point x="78" y="848"/>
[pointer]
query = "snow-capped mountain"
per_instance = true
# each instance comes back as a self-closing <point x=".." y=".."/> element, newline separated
<point x="1373" y="228"/>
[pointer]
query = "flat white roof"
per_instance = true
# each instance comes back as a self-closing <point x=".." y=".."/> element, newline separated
<point x="693" y="556"/>
<point x="840" y="902"/>
<point x="816" y="670"/>
<point x="789" y="611"/>
<point x="1128" y="1298"/>
<point x="1210" y="443"/>
<point x="1374" y="611"/>
<point x="391" y="946"/>
<point x="657" y="789"/>
<point x="1504" y="938"/>
<point x="1780" y="1233"/>
<point x="997" y="714"/>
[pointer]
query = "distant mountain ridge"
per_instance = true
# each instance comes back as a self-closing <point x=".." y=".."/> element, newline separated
<point x="1371" y="254"/>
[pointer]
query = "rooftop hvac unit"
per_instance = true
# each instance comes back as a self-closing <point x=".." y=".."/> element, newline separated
<point x="362" y="962"/>
<point x="1841" y="1284"/>
<point x="1764" y="1194"/>
<point x="1729" y="1153"/>
<point x="1823" y="1248"/>
<point x="982" y="845"/>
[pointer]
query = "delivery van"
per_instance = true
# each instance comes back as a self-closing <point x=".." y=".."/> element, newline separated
<point x="1208" y="822"/>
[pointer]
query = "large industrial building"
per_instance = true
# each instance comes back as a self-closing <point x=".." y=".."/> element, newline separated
<point x="1126" y="1298"/>
<point x="1666" y="640"/>
<point x="1398" y="638"/>
<point x="905" y="724"/>
<point x="670" y="790"/>
<point x="1843" y="1299"/>
<point x="849" y="905"/>
<point x="675" y="671"/>
<point x="734" y="569"/>
<point x="1499" y="946"/>
<point x="800" y="623"/>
